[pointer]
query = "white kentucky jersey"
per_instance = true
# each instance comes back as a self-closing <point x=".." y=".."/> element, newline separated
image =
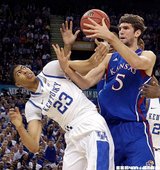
<point x="153" y="117"/>
<point x="58" y="98"/>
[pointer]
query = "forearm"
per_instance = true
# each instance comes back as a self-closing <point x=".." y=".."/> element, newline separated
<point x="96" y="74"/>
<point x="92" y="78"/>
<point x="67" y="49"/>
<point x="27" y="140"/>
<point x="84" y="66"/>
<point x="77" y="79"/>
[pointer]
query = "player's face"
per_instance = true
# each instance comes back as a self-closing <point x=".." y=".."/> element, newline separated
<point x="23" y="76"/>
<point x="126" y="34"/>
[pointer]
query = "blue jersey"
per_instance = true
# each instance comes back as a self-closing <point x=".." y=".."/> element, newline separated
<point x="120" y="97"/>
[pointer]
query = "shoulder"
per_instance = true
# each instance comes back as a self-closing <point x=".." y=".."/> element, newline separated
<point x="51" y="64"/>
<point x="148" y="53"/>
<point x="53" y="69"/>
<point x="32" y="110"/>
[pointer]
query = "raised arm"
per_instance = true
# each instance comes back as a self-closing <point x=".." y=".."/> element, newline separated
<point x="145" y="62"/>
<point x="30" y="138"/>
<point x="68" y="36"/>
<point x="84" y="82"/>
<point x="83" y="67"/>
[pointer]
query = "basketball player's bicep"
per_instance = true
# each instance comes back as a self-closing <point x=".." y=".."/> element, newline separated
<point x="35" y="129"/>
<point x="148" y="59"/>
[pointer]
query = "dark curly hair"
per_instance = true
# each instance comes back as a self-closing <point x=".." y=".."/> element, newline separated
<point x="12" y="78"/>
<point x="136" y="21"/>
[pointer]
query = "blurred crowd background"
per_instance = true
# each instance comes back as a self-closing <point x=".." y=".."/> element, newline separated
<point x="25" y="38"/>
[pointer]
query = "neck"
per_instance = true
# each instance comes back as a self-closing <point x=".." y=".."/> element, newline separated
<point x="34" y="85"/>
<point x="134" y="46"/>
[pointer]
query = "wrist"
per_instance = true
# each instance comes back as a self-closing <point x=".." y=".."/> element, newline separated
<point x="21" y="126"/>
<point x="67" y="70"/>
<point x="68" y="46"/>
<point x="111" y="38"/>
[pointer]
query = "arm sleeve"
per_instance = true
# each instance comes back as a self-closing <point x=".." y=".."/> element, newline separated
<point x="53" y="69"/>
<point x="32" y="112"/>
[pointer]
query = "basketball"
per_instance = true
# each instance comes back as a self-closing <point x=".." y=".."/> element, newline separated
<point x="96" y="15"/>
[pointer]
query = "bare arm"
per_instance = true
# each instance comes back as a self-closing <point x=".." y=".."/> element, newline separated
<point x="68" y="36"/>
<point x="84" y="66"/>
<point x="145" y="62"/>
<point x="80" y="66"/>
<point x="31" y="137"/>
<point x="83" y="82"/>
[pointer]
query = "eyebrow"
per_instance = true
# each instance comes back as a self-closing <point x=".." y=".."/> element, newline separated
<point x="19" y="69"/>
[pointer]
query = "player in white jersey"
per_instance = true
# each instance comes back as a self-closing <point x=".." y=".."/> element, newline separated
<point x="89" y="145"/>
<point x="153" y="117"/>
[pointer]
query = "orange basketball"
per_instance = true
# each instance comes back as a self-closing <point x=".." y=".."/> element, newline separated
<point x="96" y="15"/>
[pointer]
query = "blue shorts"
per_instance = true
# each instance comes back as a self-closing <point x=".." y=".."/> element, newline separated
<point x="133" y="144"/>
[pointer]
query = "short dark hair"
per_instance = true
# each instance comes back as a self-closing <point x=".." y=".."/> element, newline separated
<point x="136" y="21"/>
<point x="12" y="78"/>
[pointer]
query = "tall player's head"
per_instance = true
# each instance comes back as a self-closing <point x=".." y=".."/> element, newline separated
<point x="23" y="77"/>
<point x="131" y="28"/>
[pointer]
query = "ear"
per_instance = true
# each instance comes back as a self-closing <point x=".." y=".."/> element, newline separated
<point x="138" y="33"/>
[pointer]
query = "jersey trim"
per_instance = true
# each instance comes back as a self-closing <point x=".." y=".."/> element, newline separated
<point x="34" y="104"/>
<point x="59" y="77"/>
<point x="148" y="137"/>
<point x="138" y="104"/>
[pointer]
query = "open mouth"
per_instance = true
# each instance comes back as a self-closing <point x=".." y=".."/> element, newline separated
<point x="29" y="75"/>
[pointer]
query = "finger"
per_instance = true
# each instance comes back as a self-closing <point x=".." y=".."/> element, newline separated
<point x="70" y="25"/>
<point x="104" y="50"/>
<point x="154" y="79"/>
<point x="63" y="27"/>
<point x="12" y="117"/>
<point x="155" y="83"/>
<point x="57" y="46"/>
<point x="11" y="114"/>
<point x="97" y="42"/>
<point x="16" y="109"/>
<point x="146" y="85"/>
<point x="77" y="32"/>
<point x="66" y="25"/>
<point x="92" y="36"/>
<point x="93" y="22"/>
<point x="12" y="109"/>
<point x="61" y="30"/>
<point x="103" y="22"/>
<point x="55" y="49"/>
<point x="62" y="52"/>
<point x="58" y="49"/>
<point x="89" y="31"/>
<point x="89" y="26"/>
<point x="68" y="55"/>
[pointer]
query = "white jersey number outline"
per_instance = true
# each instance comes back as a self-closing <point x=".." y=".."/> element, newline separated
<point x="119" y="78"/>
<point x="156" y="129"/>
<point x="64" y="101"/>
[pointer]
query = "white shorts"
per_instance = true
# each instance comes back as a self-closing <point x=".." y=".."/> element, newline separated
<point x="157" y="158"/>
<point x="89" y="150"/>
